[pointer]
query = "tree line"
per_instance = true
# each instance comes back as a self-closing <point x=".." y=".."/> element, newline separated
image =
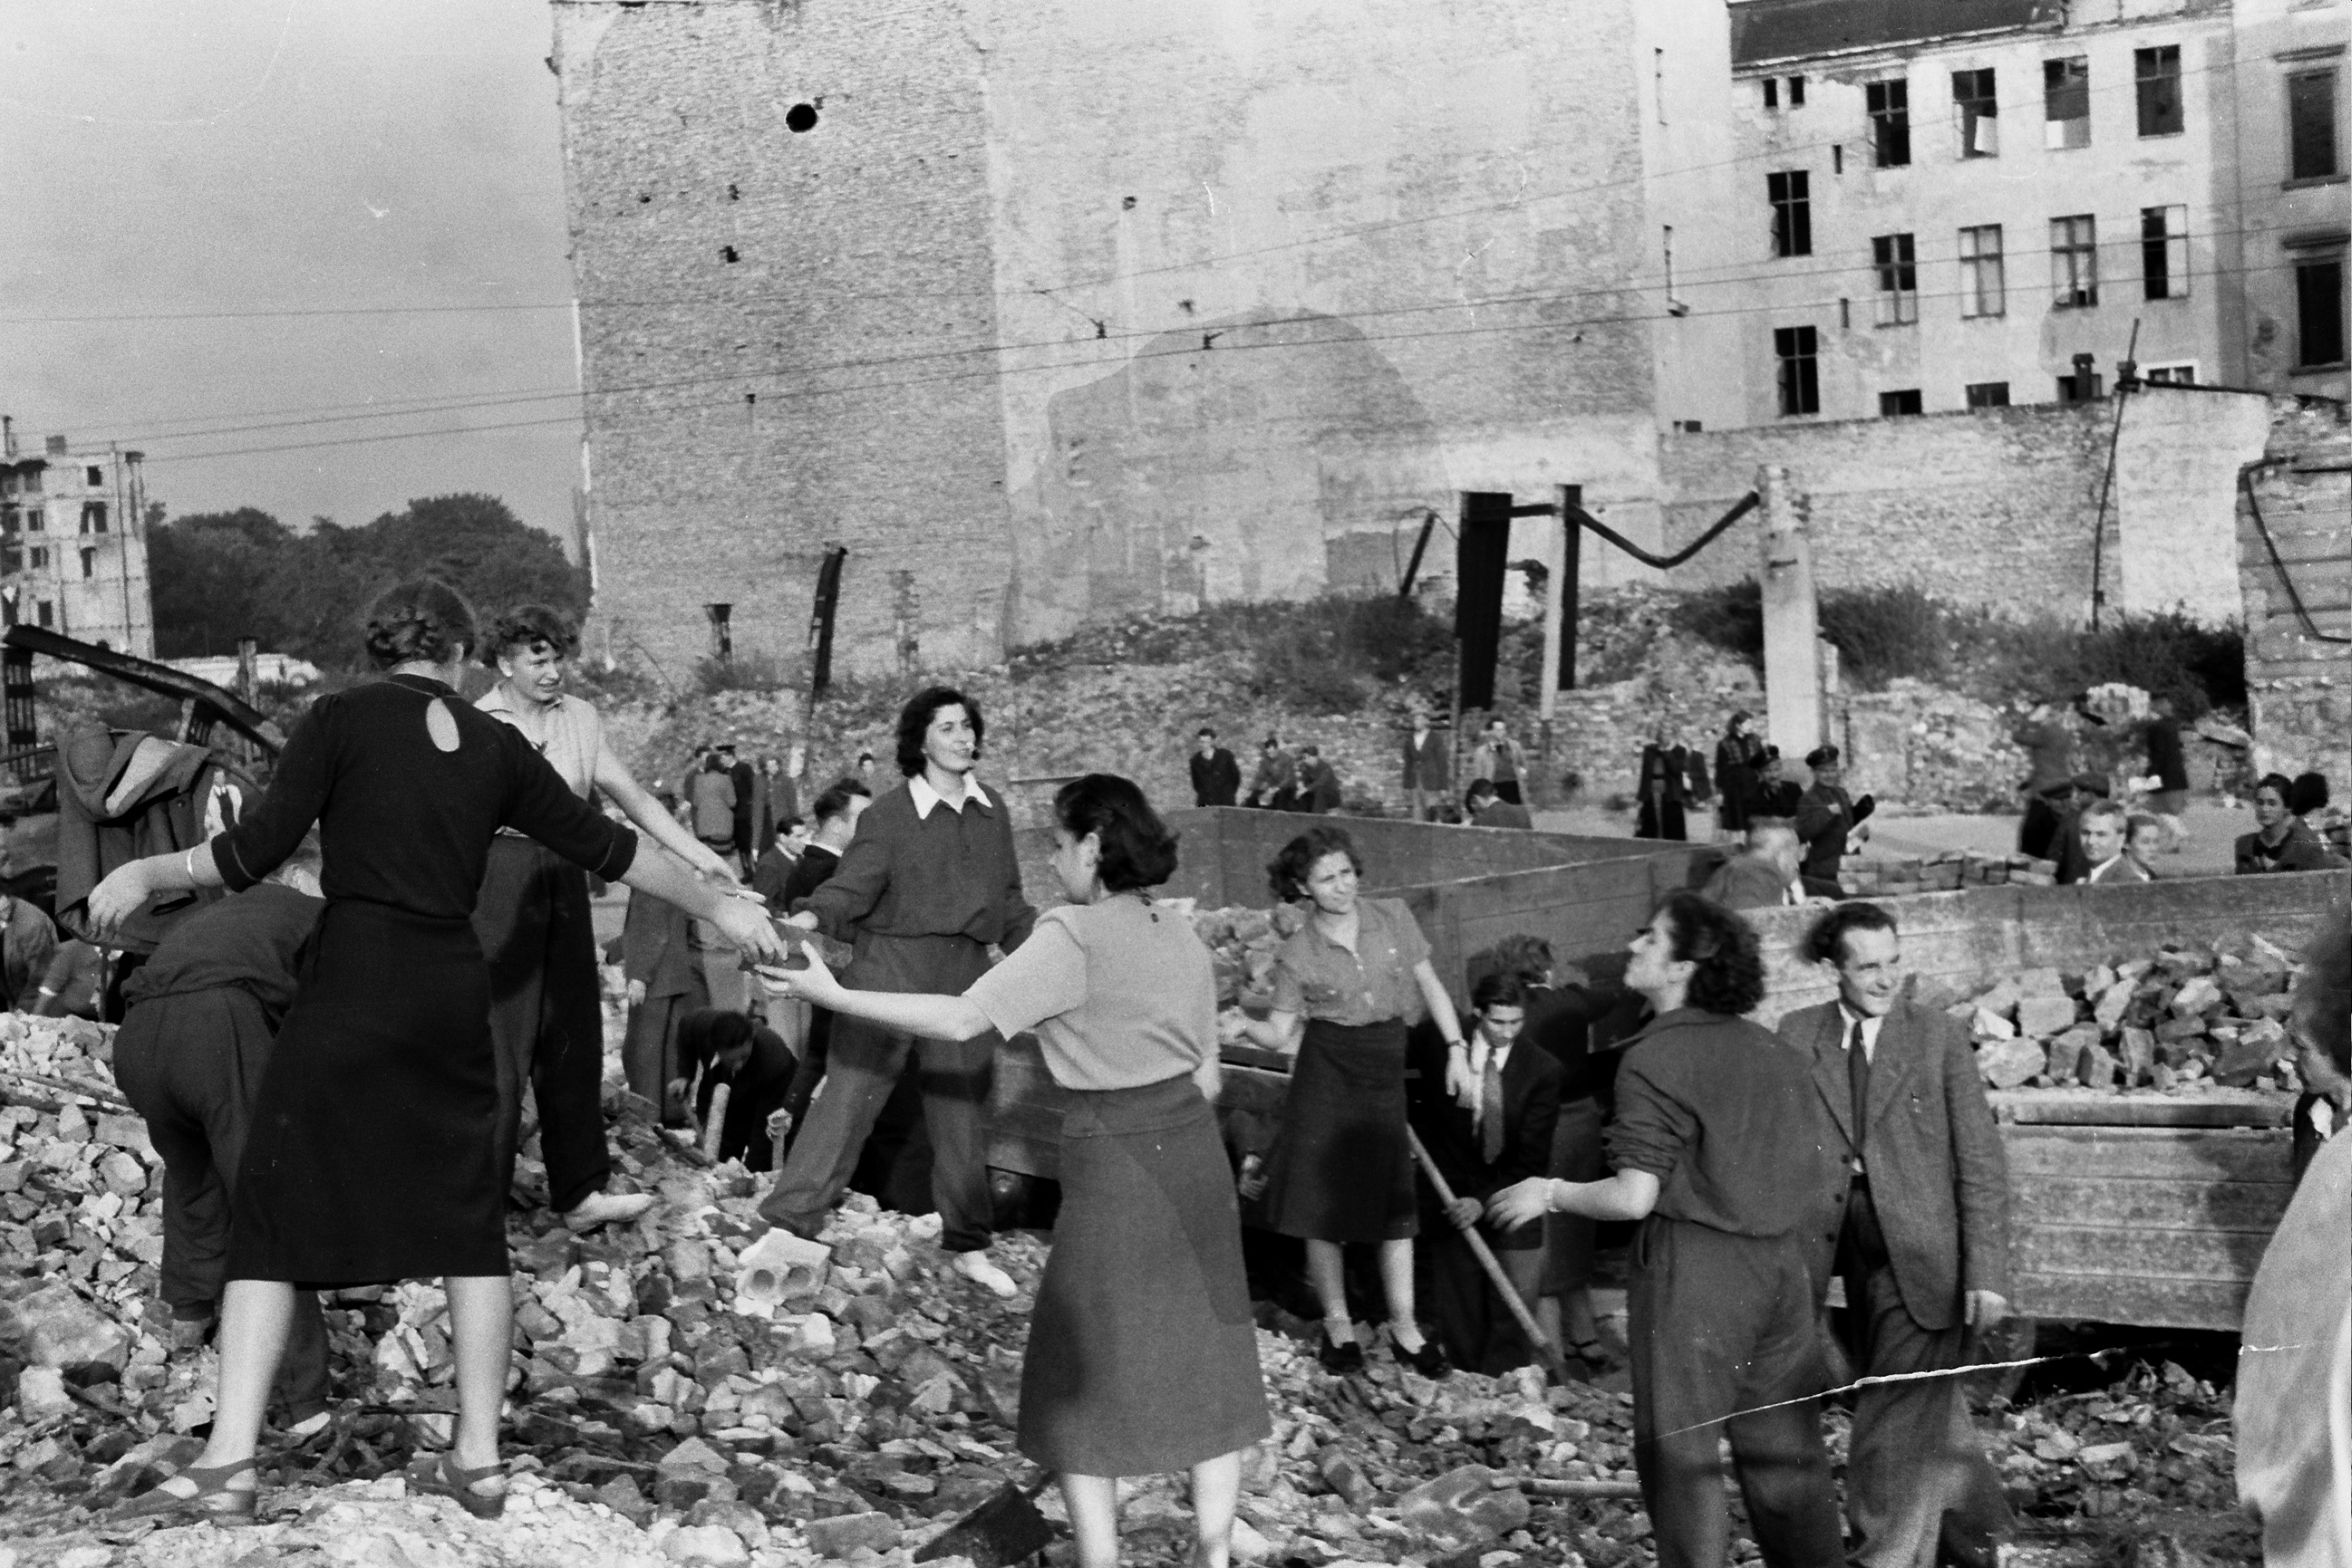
<point x="221" y="576"/>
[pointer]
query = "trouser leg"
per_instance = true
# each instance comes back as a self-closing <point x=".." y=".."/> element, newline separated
<point x="863" y="1065"/>
<point x="1682" y="1389"/>
<point x="1916" y="1468"/>
<point x="510" y="916"/>
<point x="1457" y="1292"/>
<point x="954" y="1080"/>
<point x="1508" y="1344"/>
<point x="567" y="1069"/>
<point x="155" y="1062"/>
<point x="1776" y="1444"/>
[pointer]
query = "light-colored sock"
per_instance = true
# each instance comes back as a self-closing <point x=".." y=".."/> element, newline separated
<point x="1397" y="1331"/>
<point x="1340" y="1331"/>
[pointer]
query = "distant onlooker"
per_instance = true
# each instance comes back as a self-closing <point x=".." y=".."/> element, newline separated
<point x="778" y="802"/>
<point x="1488" y="809"/>
<point x="2144" y="840"/>
<point x="1502" y="760"/>
<point x="1216" y="776"/>
<point x="1428" y="765"/>
<point x="1772" y="795"/>
<point x="1739" y="761"/>
<point x="2104" y="829"/>
<point x="1827" y="818"/>
<point x="746" y="780"/>
<point x="2048" y="747"/>
<point x="711" y="792"/>
<point x="28" y="941"/>
<point x="1764" y="876"/>
<point x="2166" y="761"/>
<point x="2328" y="822"/>
<point x="1275" y="786"/>
<point x="2280" y="841"/>
<point x="775" y="862"/>
<point x="1318" y="783"/>
<point x="1672" y="779"/>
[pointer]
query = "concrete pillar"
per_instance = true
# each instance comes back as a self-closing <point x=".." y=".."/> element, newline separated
<point x="1792" y="671"/>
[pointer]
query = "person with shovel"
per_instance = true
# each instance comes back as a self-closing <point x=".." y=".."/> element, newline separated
<point x="1142" y="1353"/>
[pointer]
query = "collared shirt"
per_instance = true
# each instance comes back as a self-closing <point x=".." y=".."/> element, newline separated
<point x="919" y="792"/>
<point x="1847" y="1019"/>
<point x="569" y="732"/>
<point x="1317" y="978"/>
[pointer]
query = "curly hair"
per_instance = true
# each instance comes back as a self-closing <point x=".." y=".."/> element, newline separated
<point x="1286" y="872"/>
<point x="419" y="620"/>
<point x="916" y="718"/>
<point x="1501" y="989"/>
<point x="1727" y="976"/>
<point x="1825" y="943"/>
<point x="528" y="627"/>
<point x="2323" y="994"/>
<point x="1138" y="848"/>
<point x="1530" y="958"/>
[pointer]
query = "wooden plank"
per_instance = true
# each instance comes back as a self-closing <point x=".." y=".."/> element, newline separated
<point x="2099" y="1108"/>
<point x="2237" y="1154"/>
<point x="2142" y="1300"/>
<point x="2149" y="1203"/>
<point x="2208" y="1254"/>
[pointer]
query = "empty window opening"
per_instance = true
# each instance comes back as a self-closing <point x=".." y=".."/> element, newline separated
<point x="2172" y="375"/>
<point x="2319" y="313"/>
<point x="2311" y="126"/>
<point x="1983" y="290"/>
<point x="1987" y="394"/>
<point x="1772" y="93"/>
<point x="1796" y="92"/>
<point x="800" y="117"/>
<point x="1893" y="404"/>
<point x="1976" y="113"/>
<point x="1801" y="387"/>
<point x="2164" y="251"/>
<point x="49" y="615"/>
<point x="1837" y="158"/>
<point x="2073" y="262"/>
<point x="94" y="475"/>
<point x="2158" y="72"/>
<point x="1898" y="281"/>
<point x="93" y="517"/>
<point x="1889" y="104"/>
<point x="89" y="563"/>
<point x="1792" y="212"/>
<point x="2066" y="103"/>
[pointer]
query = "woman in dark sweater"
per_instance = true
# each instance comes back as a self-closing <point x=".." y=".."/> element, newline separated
<point x="373" y="1154"/>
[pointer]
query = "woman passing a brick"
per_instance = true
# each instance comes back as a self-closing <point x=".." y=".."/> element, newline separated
<point x="1346" y="985"/>
<point x="373" y="1154"/>
<point x="1142" y="1354"/>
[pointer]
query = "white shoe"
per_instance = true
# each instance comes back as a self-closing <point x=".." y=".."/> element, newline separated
<point x="607" y="1208"/>
<point x="976" y="1267"/>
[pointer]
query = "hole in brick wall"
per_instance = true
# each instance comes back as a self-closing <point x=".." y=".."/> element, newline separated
<point x="727" y="253"/>
<point x="800" y="117"/>
<point x="733" y="195"/>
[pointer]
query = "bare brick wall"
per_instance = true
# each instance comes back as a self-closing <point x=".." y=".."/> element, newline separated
<point x="2300" y="684"/>
<point x="1992" y="507"/>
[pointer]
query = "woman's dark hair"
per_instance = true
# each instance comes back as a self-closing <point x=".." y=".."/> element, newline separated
<point x="418" y="620"/>
<point x="1825" y="943"/>
<point x="2280" y="783"/>
<point x="706" y="1033"/>
<point x="1529" y="957"/>
<point x="1728" y="972"/>
<point x="917" y="715"/>
<point x="1286" y="872"/>
<point x="2322" y="994"/>
<point x="2307" y="794"/>
<point x="1501" y="989"/>
<point x="835" y="802"/>
<point x="528" y="627"/>
<point x="1138" y="849"/>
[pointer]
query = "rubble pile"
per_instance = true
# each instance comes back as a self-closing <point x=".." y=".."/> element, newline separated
<point x="2157" y="1437"/>
<point x="1242" y="943"/>
<point x="2186" y="1018"/>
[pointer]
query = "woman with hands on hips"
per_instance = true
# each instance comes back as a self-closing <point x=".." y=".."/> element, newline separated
<point x="1346" y="984"/>
<point x="1142" y="1353"/>
<point x="373" y="1152"/>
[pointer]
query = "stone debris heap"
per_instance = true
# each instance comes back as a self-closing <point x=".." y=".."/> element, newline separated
<point x="2184" y="1019"/>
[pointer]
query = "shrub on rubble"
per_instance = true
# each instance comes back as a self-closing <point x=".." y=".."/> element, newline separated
<point x="1886" y="634"/>
<point x="1729" y="617"/>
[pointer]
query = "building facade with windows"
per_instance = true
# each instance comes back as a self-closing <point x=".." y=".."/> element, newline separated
<point x="73" y="557"/>
<point x="2291" y="86"/>
<point x="1936" y="207"/>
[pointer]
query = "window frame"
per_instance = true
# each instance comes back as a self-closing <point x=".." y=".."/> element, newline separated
<point x="1771" y="91"/>
<point x="2053" y="92"/>
<point x="2296" y="174"/>
<point x="1974" y="264"/>
<point x="1978" y="394"/>
<point x="1918" y="404"/>
<point x="1792" y="212"/>
<point x="1894" y="259"/>
<point x="1969" y="113"/>
<point x="2149" y="90"/>
<point x="2070" y="292"/>
<point x="1890" y="123"/>
<point x="2164" y="254"/>
<point x="2304" y="265"/>
<point x="1798" y="377"/>
<point x="1796" y="92"/>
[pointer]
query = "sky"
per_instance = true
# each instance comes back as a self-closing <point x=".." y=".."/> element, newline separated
<point x="249" y="224"/>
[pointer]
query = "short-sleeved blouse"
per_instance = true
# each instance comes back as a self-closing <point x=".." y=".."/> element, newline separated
<point x="1316" y="977"/>
<point x="570" y="733"/>
<point x="1121" y="994"/>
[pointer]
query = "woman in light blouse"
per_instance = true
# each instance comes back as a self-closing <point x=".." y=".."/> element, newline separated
<point x="1346" y="984"/>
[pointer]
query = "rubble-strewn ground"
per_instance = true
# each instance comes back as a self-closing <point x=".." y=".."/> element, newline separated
<point x="661" y="1415"/>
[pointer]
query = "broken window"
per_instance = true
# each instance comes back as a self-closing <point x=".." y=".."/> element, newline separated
<point x="2164" y="251"/>
<point x="41" y="559"/>
<point x="1987" y="394"/>
<point x="1978" y="115"/>
<point x="1889" y="104"/>
<point x="2074" y="262"/>
<point x="1792" y="212"/>
<point x="1796" y="92"/>
<point x="93" y="517"/>
<point x="1982" y="291"/>
<point x="1772" y="93"/>
<point x="2066" y="103"/>
<point x="2319" y="313"/>
<point x="1899" y="280"/>
<point x="2172" y="375"/>
<point x="1891" y="404"/>
<point x="2088" y="386"/>
<point x="2158" y="73"/>
<point x="2311" y="125"/>
<point x="1800" y="385"/>
<point x="94" y="475"/>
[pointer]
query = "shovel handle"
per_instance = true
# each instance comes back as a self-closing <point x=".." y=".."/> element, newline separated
<point x="1486" y="1260"/>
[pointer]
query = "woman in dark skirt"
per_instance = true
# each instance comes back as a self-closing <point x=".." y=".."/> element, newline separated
<point x="373" y="1154"/>
<point x="547" y="1019"/>
<point x="1142" y="1353"/>
<point x="1345" y="988"/>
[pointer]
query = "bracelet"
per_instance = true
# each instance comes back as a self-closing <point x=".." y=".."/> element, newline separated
<point x="1457" y="1045"/>
<point x="188" y="864"/>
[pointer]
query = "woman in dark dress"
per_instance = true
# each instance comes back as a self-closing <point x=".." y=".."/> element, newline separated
<point x="1345" y="988"/>
<point x="373" y="1155"/>
<point x="1737" y="757"/>
<point x="1142" y="1353"/>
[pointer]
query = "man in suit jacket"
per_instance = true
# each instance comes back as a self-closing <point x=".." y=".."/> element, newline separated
<point x="1428" y="765"/>
<point x="1496" y="1133"/>
<point x="1216" y="776"/>
<point x="2104" y="826"/>
<point x="1764" y="875"/>
<point x="1919" y="1230"/>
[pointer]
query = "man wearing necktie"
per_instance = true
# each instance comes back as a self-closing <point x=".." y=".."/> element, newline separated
<point x="1496" y="1131"/>
<point x="1920" y="1234"/>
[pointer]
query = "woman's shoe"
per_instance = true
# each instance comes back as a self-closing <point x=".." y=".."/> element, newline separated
<point x="1429" y="1359"/>
<point x="1339" y="1358"/>
<point x="446" y="1479"/>
<point x="214" y="1500"/>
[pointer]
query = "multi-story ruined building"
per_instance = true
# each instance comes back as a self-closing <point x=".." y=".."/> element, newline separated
<point x="73" y="558"/>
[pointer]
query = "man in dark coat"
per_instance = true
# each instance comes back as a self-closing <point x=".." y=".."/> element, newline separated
<point x="1772" y="795"/>
<point x="1487" y="809"/>
<point x="1216" y="776"/>
<point x="665" y="983"/>
<point x="1920" y="1236"/>
<point x="2049" y="748"/>
<point x="28" y="941"/>
<point x="1496" y="1133"/>
<point x="1826" y="818"/>
<point x="1764" y="875"/>
<point x="1318" y="783"/>
<point x="1428" y="765"/>
<point x="746" y="780"/>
